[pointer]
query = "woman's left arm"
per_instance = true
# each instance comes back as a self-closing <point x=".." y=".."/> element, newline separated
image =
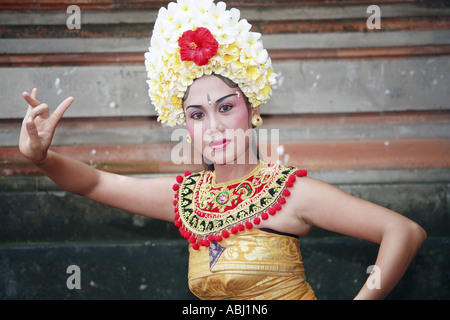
<point x="399" y="238"/>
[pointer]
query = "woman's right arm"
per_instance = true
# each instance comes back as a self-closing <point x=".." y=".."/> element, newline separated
<point x="148" y="197"/>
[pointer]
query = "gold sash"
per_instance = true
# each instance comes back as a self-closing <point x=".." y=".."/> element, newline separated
<point x="249" y="265"/>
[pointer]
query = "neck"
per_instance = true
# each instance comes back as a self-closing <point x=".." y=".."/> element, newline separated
<point x="236" y="170"/>
<point x="229" y="172"/>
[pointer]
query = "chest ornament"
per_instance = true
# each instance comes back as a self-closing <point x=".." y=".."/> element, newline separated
<point x="207" y="212"/>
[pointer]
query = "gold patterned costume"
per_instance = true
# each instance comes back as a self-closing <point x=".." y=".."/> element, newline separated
<point x="229" y="257"/>
<point x="255" y="265"/>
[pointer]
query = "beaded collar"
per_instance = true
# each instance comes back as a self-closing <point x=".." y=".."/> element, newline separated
<point x="207" y="212"/>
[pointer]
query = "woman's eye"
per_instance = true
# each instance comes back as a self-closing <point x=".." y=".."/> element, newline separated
<point x="197" y="115"/>
<point x="225" y="108"/>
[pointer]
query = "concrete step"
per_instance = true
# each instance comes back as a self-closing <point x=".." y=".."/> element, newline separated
<point x="311" y="87"/>
<point x="157" y="270"/>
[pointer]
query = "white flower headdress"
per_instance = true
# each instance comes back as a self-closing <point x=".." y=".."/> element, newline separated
<point x="192" y="38"/>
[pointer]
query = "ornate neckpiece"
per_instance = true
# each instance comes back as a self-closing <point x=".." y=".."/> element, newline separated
<point x="206" y="211"/>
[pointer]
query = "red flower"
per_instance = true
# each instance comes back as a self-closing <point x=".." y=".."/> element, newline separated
<point x="198" y="46"/>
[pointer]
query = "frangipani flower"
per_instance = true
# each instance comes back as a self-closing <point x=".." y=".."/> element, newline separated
<point x="192" y="38"/>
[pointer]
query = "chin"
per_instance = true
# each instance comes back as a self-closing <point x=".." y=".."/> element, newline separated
<point x="227" y="156"/>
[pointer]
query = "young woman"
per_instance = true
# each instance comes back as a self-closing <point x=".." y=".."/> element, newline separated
<point x="242" y="216"/>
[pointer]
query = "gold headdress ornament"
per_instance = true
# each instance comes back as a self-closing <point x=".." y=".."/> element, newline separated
<point x="193" y="38"/>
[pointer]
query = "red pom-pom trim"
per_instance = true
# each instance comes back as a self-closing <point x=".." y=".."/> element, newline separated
<point x="257" y="221"/>
<point x="225" y="234"/>
<point x="195" y="246"/>
<point x="248" y="224"/>
<point x="281" y="200"/>
<point x="179" y="179"/>
<point x="187" y="173"/>
<point x="264" y="216"/>
<point x="301" y="173"/>
<point x="286" y="193"/>
<point x="175" y="187"/>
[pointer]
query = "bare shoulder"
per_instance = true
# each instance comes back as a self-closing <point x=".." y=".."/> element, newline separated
<point x="320" y="203"/>
<point x="328" y="207"/>
<point x="292" y="218"/>
<point x="311" y="190"/>
<point x="306" y="196"/>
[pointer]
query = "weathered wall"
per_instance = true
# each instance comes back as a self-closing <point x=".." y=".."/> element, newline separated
<point x="365" y="110"/>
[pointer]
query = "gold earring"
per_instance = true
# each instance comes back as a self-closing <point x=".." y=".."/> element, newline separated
<point x="256" y="121"/>
<point x="188" y="138"/>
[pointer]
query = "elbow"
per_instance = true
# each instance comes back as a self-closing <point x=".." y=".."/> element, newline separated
<point x="423" y="234"/>
<point x="417" y="234"/>
<point x="408" y="232"/>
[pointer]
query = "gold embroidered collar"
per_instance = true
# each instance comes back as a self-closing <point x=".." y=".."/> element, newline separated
<point x="206" y="211"/>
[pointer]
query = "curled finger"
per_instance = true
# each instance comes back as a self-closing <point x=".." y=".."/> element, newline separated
<point x="31" y="99"/>
<point x="41" y="110"/>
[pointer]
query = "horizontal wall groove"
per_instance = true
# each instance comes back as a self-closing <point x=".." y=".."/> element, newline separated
<point x="154" y="4"/>
<point x="131" y="58"/>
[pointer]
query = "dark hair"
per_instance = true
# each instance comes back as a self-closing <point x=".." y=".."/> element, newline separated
<point x="231" y="84"/>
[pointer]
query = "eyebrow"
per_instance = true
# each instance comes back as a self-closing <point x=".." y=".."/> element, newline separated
<point x="223" y="98"/>
<point x="219" y="100"/>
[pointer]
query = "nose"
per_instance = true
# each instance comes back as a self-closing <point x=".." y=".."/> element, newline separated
<point x="214" y="123"/>
<point x="215" y="129"/>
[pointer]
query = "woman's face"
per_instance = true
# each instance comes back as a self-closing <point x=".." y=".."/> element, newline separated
<point x="217" y="119"/>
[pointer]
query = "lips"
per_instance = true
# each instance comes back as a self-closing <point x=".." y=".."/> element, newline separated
<point x="219" y="144"/>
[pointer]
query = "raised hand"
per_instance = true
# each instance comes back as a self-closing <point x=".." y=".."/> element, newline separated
<point x="38" y="127"/>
